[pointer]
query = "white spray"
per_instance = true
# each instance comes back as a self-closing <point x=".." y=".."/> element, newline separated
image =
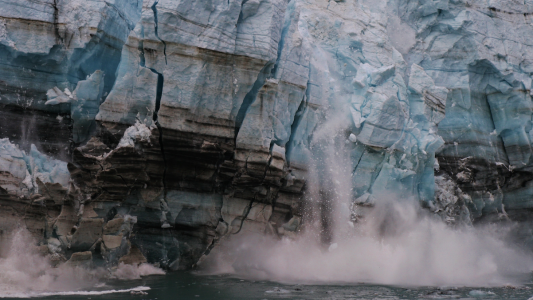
<point x="26" y="272"/>
<point x="397" y="244"/>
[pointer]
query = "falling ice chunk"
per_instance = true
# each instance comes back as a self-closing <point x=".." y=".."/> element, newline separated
<point x="351" y="224"/>
<point x="436" y="165"/>
<point x="68" y="93"/>
<point x="56" y="96"/>
<point x="165" y="225"/>
<point x="352" y="138"/>
<point x="333" y="247"/>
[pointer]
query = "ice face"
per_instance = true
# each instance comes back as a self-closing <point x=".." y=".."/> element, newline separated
<point x="70" y="41"/>
<point x="255" y="102"/>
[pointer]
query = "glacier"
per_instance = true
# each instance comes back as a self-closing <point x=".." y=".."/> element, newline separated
<point x="150" y="130"/>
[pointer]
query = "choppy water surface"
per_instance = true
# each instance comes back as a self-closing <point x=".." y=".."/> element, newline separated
<point x="186" y="285"/>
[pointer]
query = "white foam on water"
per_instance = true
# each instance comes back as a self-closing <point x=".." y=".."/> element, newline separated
<point x="76" y="293"/>
<point x="478" y="293"/>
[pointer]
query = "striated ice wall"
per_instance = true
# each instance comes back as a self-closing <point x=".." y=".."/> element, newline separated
<point x="183" y="122"/>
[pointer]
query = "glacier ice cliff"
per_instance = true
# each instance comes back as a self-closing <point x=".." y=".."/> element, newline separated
<point x="147" y="130"/>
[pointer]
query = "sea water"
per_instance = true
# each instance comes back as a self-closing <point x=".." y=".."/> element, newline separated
<point x="189" y="285"/>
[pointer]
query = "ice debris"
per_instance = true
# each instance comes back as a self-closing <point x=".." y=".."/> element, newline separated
<point x="84" y="103"/>
<point x="137" y="132"/>
<point x="56" y="96"/>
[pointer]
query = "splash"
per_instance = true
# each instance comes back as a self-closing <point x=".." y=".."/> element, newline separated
<point x="24" y="269"/>
<point x="396" y="244"/>
<point x="26" y="272"/>
<point x="131" y="272"/>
